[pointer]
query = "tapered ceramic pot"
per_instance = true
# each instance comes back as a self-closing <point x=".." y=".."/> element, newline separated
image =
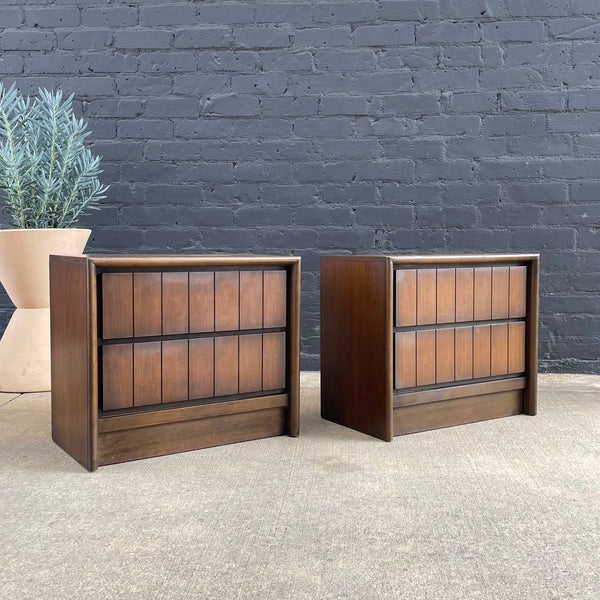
<point x="25" y="345"/>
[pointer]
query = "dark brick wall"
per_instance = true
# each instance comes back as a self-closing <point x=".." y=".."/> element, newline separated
<point x="311" y="127"/>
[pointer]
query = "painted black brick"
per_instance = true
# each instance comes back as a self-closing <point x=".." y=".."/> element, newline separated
<point x="339" y="126"/>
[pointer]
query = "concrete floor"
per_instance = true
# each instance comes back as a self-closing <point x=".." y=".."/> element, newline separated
<point x="504" y="509"/>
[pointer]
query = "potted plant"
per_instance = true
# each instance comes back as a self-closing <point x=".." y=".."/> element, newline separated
<point x="48" y="178"/>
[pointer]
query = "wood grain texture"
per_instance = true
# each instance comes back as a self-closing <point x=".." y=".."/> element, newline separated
<point x="426" y="357"/>
<point x="117" y="305"/>
<point x="406" y="359"/>
<point x="147" y="304"/>
<point x="130" y="261"/>
<point x="356" y="310"/>
<point x="500" y="292"/>
<point x="482" y="289"/>
<point x="435" y="415"/>
<point x="250" y="371"/>
<point x="464" y="294"/>
<point x="273" y="361"/>
<point x="426" y="296"/>
<point x="460" y="390"/>
<point x="531" y="346"/>
<point x="117" y="376"/>
<point x="481" y="351"/>
<point x="168" y="438"/>
<point x="73" y="413"/>
<point x="226" y="365"/>
<point x="406" y="297"/>
<point x="251" y="299"/>
<point x="274" y="299"/>
<point x="201" y="368"/>
<point x="518" y="292"/>
<point x="444" y="355"/>
<point x="174" y="371"/>
<point x="202" y="302"/>
<point x="499" y="349"/>
<point x="446" y="295"/>
<point x="176" y="414"/>
<point x="147" y="379"/>
<point x="175" y="307"/>
<point x="293" y="348"/>
<point x="93" y="400"/>
<point x="227" y="300"/>
<point x="516" y="347"/>
<point x="448" y="259"/>
<point x="463" y="353"/>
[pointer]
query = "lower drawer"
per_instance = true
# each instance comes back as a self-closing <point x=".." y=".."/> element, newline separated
<point x="457" y="411"/>
<point x="150" y="373"/>
<point x="445" y="355"/>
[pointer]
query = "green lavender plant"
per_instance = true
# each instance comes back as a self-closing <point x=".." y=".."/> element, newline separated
<point x="48" y="177"/>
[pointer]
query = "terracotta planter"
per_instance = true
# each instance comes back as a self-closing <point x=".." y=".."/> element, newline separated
<point x="25" y="345"/>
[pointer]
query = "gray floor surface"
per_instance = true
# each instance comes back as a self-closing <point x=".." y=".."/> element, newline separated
<point x="504" y="509"/>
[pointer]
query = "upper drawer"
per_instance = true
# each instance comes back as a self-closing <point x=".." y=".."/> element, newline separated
<point x="462" y="294"/>
<point x="173" y="302"/>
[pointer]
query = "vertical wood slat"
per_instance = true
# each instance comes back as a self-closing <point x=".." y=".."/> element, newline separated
<point x="250" y="358"/>
<point x="226" y="365"/>
<point x="147" y="376"/>
<point x="500" y="292"/>
<point x="463" y="353"/>
<point x="405" y="359"/>
<point x="516" y="347"/>
<point x="274" y="360"/>
<point x="531" y="335"/>
<point x="481" y="351"/>
<point x="482" y="290"/>
<point x="426" y="296"/>
<point x="117" y="305"/>
<point x="175" y="308"/>
<point x="251" y="299"/>
<point x="444" y="355"/>
<point x="275" y="301"/>
<point x="518" y="292"/>
<point x="499" y="349"/>
<point x="202" y="302"/>
<point x="174" y="371"/>
<point x="464" y="294"/>
<point x="147" y="304"/>
<point x="117" y="376"/>
<point x="201" y="368"/>
<point x="406" y="297"/>
<point x="446" y="295"/>
<point x="227" y="300"/>
<point x="426" y="357"/>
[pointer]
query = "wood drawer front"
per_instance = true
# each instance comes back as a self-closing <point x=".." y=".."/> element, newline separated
<point x="274" y="361"/>
<point x="117" y="305"/>
<point x="147" y="304"/>
<point x="147" y="379"/>
<point x="175" y="308"/>
<point x="148" y="373"/>
<point x="275" y="299"/>
<point x="449" y="354"/>
<point x="117" y="376"/>
<point x="144" y="304"/>
<point x="462" y="294"/>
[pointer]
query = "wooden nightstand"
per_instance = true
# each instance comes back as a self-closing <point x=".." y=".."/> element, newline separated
<point x="410" y="343"/>
<point x="159" y="354"/>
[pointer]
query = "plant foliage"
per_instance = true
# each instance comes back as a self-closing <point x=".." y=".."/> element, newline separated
<point x="48" y="177"/>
